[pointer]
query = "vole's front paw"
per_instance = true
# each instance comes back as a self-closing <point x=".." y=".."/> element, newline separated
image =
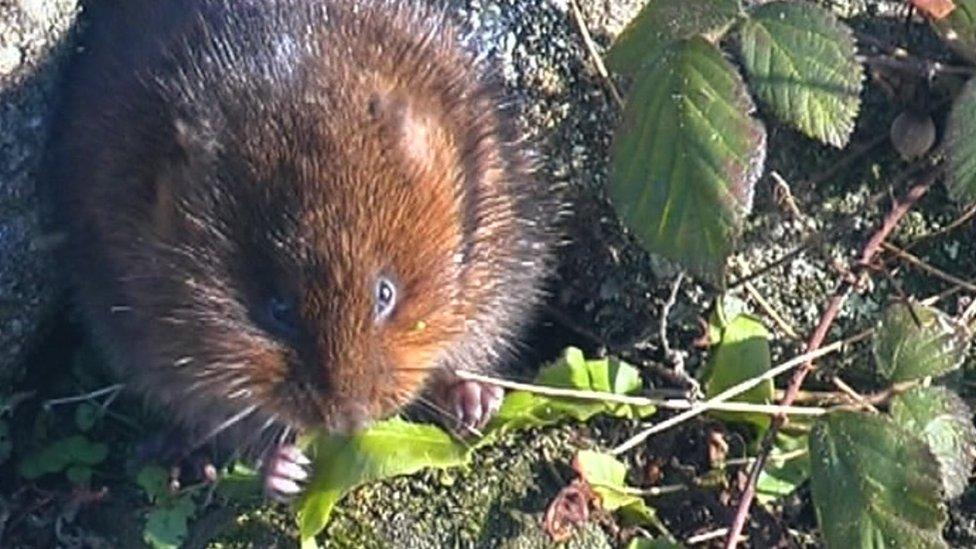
<point x="284" y="473"/>
<point x="473" y="403"/>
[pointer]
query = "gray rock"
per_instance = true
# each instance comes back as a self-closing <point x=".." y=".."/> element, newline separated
<point x="32" y="43"/>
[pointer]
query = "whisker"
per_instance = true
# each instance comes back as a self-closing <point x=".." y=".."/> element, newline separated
<point x="228" y="423"/>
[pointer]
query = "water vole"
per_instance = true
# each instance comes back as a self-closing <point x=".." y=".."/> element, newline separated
<point x="291" y="214"/>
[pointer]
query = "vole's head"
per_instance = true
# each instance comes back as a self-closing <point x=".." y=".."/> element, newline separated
<point x="316" y="254"/>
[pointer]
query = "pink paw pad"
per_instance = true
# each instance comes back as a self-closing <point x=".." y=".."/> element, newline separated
<point x="285" y="473"/>
<point x="474" y="403"/>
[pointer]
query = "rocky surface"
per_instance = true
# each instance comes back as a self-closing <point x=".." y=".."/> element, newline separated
<point x="33" y="43"/>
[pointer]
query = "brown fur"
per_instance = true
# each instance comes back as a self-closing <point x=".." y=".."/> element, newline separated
<point x="212" y="151"/>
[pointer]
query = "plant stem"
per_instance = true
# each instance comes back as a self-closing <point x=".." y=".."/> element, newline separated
<point x="868" y="253"/>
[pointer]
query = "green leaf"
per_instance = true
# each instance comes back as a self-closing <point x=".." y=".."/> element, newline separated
<point x="958" y="29"/>
<point x="662" y="22"/>
<point x="742" y="353"/>
<point x="79" y="474"/>
<point x="85" y="416"/>
<point x="687" y="156"/>
<point x="781" y="477"/>
<point x="386" y="449"/>
<point x="154" y="480"/>
<point x="58" y="455"/>
<point x="961" y="145"/>
<point x="240" y="483"/>
<point x="874" y="484"/>
<point x="608" y="478"/>
<point x="522" y="409"/>
<point x="166" y="526"/>
<point x="800" y="60"/>
<point x="397" y="447"/>
<point x="944" y="421"/>
<point x="913" y="341"/>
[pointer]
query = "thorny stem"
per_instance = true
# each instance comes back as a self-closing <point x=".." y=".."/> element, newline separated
<point x="868" y="253"/>
<point x="734" y="391"/>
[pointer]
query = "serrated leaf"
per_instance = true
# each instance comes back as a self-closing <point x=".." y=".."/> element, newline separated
<point x="166" y="526"/>
<point x="945" y="422"/>
<point x="914" y="341"/>
<point x="958" y="29"/>
<point x="687" y="156"/>
<point x="742" y="353"/>
<point x="961" y="145"/>
<point x="608" y="477"/>
<point x="154" y="480"/>
<point x="781" y="477"/>
<point x="800" y="61"/>
<point x="874" y="484"/>
<point x="386" y="449"/>
<point x="661" y="23"/>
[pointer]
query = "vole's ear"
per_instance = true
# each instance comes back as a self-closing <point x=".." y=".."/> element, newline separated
<point x="413" y="130"/>
<point x="190" y="147"/>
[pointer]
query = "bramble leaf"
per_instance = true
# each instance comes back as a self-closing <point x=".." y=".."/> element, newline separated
<point x="800" y="60"/>
<point x="874" y="483"/>
<point x="945" y="422"/>
<point x="663" y="22"/>
<point x="961" y="145"/>
<point x="913" y="341"/>
<point x="687" y="156"/>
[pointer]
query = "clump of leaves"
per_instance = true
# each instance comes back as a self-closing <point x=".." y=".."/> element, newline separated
<point x="877" y="477"/>
<point x="167" y="521"/>
<point x="398" y="447"/>
<point x="689" y="152"/>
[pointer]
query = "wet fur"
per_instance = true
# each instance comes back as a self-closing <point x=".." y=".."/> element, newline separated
<point x="210" y="150"/>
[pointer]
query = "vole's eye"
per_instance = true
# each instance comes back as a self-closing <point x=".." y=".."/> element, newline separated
<point x="282" y="316"/>
<point x="385" y="298"/>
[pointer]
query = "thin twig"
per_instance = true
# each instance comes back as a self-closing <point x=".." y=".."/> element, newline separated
<point x="110" y="390"/>
<point x="632" y="400"/>
<point x="850" y="392"/>
<point x="734" y="391"/>
<point x="673" y="357"/>
<point x="767" y="307"/>
<point x="707" y="536"/>
<point x="594" y="55"/>
<point x="932" y="270"/>
<point x="955" y="224"/>
<point x="870" y="249"/>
